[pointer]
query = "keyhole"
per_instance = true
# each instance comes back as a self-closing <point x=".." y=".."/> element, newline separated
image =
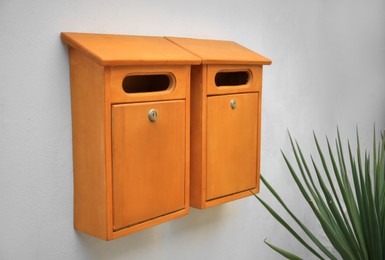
<point x="152" y="115"/>
<point x="233" y="104"/>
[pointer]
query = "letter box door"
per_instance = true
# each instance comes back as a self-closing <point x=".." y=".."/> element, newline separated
<point x="232" y="123"/>
<point x="148" y="150"/>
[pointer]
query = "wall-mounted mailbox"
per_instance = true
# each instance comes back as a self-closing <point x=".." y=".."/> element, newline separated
<point x="131" y="128"/>
<point x="226" y="91"/>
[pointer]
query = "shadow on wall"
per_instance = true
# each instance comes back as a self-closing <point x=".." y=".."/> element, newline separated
<point x="189" y="228"/>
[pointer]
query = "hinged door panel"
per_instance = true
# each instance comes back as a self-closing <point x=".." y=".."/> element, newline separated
<point x="148" y="149"/>
<point x="231" y="144"/>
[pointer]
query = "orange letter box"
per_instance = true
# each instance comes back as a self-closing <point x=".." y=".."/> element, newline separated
<point x="131" y="129"/>
<point x="226" y="92"/>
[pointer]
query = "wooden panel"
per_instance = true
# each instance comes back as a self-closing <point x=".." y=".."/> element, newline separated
<point x="122" y="50"/>
<point x="231" y="144"/>
<point x="88" y="123"/>
<point x="254" y="84"/>
<point x="148" y="161"/>
<point x="198" y="136"/>
<point x="180" y="78"/>
<point x="108" y="152"/>
<point x="229" y="198"/>
<point x="150" y="223"/>
<point x="220" y="52"/>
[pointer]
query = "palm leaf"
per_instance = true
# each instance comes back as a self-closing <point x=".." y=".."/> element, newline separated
<point x="358" y="220"/>
<point x="287" y="226"/>
<point x="352" y="216"/>
<point x="320" y="212"/>
<point x="283" y="252"/>
<point x="303" y="227"/>
<point x="342" y="225"/>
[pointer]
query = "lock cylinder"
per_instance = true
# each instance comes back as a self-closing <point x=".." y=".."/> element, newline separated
<point x="152" y="115"/>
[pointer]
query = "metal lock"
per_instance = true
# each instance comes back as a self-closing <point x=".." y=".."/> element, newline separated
<point x="233" y="104"/>
<point x="152" y="115"/>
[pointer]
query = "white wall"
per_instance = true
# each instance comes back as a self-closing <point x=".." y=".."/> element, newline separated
<point x="328" y="70"/>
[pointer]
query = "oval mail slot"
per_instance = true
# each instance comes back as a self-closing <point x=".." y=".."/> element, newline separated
<point x="147" y="83"/>
<point x="232" y="78"/>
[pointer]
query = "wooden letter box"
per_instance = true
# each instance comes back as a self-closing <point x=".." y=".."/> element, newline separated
<point x="131" y="130"/>
<point x="226" y="91"/>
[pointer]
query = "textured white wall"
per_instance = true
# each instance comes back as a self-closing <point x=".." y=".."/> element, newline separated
<point x="328" y="70"/>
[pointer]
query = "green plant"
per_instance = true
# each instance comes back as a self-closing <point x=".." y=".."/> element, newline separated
<point x="347" y="196"/>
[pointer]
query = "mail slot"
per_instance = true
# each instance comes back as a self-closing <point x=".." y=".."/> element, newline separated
<point x="231" y="78"/>
<point x="147" y="83"/>
<point x="226" y="93"/>
<point x="131" y="129"/>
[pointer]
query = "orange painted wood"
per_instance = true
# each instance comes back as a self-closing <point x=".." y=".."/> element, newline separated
<point x="254" y="84"/>
<point x="108" y="154"/>
<point x="198" y="137"/>
<point x="148" y="161"/>
<point x="200" y="152"/>
<point x="219" y="175"/>
<point x="149" y="223"/>
<point x="220" y="56"/>
<point x="180" y="74"/>
<point x="220" y="52"/>
<point x="122" y="50"/>
<point x="231" y="144"/>
<point x="116" y="190"/>
<point x="89" y="128"/>
<point x="179" y="213"/>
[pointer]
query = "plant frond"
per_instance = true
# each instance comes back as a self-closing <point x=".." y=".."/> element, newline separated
<point x="349" y="204"/>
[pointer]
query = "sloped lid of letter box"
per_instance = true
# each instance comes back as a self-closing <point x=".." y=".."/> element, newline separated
<point x="121" y="50"/>
<point x="220" y="52"/>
